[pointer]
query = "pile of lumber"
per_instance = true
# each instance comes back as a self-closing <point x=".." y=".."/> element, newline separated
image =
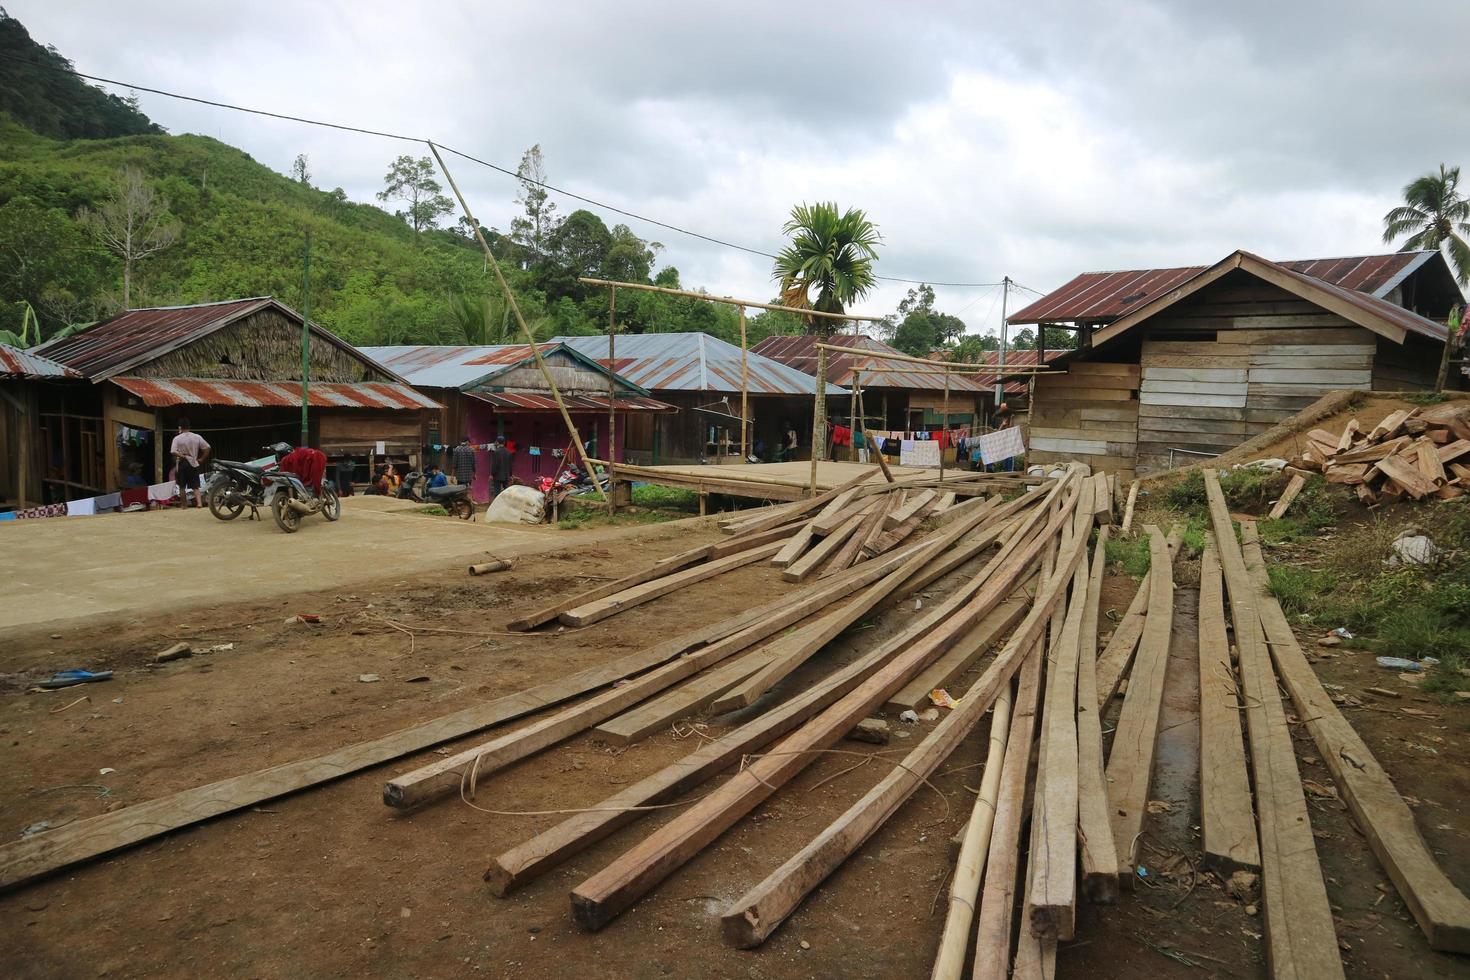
<point x="1060" y="816"/>
<point x="1414" y="453"/>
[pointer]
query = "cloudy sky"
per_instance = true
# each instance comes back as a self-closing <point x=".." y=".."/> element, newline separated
<point x="1032" y="140"/>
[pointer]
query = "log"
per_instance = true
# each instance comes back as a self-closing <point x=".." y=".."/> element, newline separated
<point x="1094" y="829"/>
<point x="1226" y="818"/>
<point x="1131" y="760"/>
<point x="1128" y="507"/>
<point x="1293" y="488"/>
<point x="176" y="652"/>
<point x="1440" y="908"/>
<point x="1300" y="938"/>
<point x="602" y="897"/>
<point x="954" y="942"/>
<point x="1115" y="659"/>
<point x="754" y="916"/>
<point x="486" y="567"/>
<point x="600" y="609"/>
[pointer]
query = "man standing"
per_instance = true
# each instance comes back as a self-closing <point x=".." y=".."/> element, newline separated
<point x="499" y="467"/>
<point x="189" y="451"/>
<point x="462" y="459"/>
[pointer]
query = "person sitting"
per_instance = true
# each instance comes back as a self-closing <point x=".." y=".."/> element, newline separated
<point x="436" y="477"/>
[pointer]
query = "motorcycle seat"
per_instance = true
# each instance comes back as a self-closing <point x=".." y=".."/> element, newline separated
<point x="444" y="493"/>
<point x="243" y="467"/>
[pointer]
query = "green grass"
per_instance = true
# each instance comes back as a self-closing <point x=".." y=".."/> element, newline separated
<point x="433" y="510"/>
<point x="1310" y="514"/>
<point x="574" y="517"/>
<point x="1130" y="554"/>
<point x="1426" y="398"/>
<point x="1300" y="590"/>
<point x="670" y="498"/>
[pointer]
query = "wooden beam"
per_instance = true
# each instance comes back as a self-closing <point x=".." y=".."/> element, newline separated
<point x="600" y="609"/>
<point x="1128" y="507"/>
<point x="1226" y="819"/>
<point x="657" y="714"/>
<point x="82" y="840"/>
<point x="657" y="570"/>
<point x="1300" y="938"/>
<point x="754" y="916"/>
<point x="1131" y="760"/>
<point x="1440" y="908"/>
<point x="828" y="546"/>
<point x="1293" y="488"/>
<point x="1052" y="908"/>
<point x="602" y="897"/>
<point x="1094" y="828"/>
<point x="960" y="657"/>
<point x="1115" y="659"/>
<point x="853" y="550"/>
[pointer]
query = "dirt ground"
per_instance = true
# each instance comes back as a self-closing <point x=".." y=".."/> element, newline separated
<point x="63" y="571"/>
<point x="331" y="883"/>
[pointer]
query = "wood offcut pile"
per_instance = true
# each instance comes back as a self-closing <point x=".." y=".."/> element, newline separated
<point x="1027" y="575"/>
<point x="1413" y="453"/>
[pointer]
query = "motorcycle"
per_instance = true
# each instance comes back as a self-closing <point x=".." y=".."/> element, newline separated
<point x="230" y="486"/>
<point x="291" y="500"/>
<point x="455" y="499"/>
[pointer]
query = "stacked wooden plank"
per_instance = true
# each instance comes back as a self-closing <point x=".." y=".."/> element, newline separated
<point x="1410" y="454"/>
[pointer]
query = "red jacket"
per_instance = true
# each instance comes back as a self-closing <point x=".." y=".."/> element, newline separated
<point x="308" y="465"/>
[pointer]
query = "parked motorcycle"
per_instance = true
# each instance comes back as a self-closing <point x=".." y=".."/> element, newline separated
<point x="230" y="486"/>
<point x="291" y="500"/>
<point x="454" y="498"/>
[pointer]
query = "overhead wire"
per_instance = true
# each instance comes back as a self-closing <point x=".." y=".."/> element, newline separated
<point x="343" y="127"/>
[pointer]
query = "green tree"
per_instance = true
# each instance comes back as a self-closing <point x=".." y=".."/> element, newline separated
<point x="918" y="328"/>
<point x="45" y="264"/>
<point x="972" y="349"/>
<point x="301" y="170"/>
<point x="533" y="229"/>
<point x="1434" y="215"/>
<point x="412" y="181"/>
<point x="831" y="254"/>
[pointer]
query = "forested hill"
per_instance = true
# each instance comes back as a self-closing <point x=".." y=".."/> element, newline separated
<point x="239" y="228"/>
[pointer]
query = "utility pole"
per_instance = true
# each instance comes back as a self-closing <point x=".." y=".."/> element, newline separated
<point x="305" y="336"/>
<point x="1005" y="294"/>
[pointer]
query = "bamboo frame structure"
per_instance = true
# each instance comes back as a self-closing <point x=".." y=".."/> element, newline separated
<point x="612" y="401"/>
<point x="515" y="308"/>
<point x="949" y="366"/>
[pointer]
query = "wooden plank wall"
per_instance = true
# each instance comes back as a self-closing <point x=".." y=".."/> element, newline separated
<point x="1089" y="414"/>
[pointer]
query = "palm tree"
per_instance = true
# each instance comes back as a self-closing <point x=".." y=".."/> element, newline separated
<point x="831" y="252"/>
<point x="1434" y="215"/>
<point x="478" y="320"/>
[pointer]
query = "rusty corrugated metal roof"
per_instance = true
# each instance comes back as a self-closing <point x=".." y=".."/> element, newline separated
<point x="695" y="362"/>
<point x="1099" y="297"/>
<point x="521" y="401"/>
<point x="118" y="345"/>
<point x="171" y="392"/>
<point x="17" y="363"/>
<point x="800" y="352"/>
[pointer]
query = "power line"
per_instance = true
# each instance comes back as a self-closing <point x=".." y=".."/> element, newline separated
<point x="485" y="163"/>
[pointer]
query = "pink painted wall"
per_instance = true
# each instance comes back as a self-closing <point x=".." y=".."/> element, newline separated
<point x="544" y="430"/>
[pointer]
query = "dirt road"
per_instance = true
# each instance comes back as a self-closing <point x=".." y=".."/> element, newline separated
<point x="65" y="571"/>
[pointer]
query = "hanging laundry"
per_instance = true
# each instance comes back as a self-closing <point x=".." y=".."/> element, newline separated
<point x="136" y="496"/>
<point x="81" y="508"/>
<point x="841" y="435"/>
<point x="107" y="502"/>
<point x="162" y="493"/>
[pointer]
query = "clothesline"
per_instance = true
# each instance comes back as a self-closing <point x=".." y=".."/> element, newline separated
<point x="134" y="498"/>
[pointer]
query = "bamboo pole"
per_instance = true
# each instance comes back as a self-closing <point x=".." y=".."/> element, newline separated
<point x="728" y="300"/>
<point x="744" y="393"/>
<point x="852" y="416"/>
<point x="946" y="426"/>
<point x="612" y="410"/>
<point x="910" y="359"/>
<point x="819" y="415"/>
<point x="515" y="308"/>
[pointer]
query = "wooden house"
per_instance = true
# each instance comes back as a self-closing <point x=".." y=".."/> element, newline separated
<point x="1177" y="365"/>
<point x="700" y="375"/>
<point x="234" y="369"/>
<point x="895" y="395"/>
<point x="497" y="390"/>
<point x="33" y="393"/>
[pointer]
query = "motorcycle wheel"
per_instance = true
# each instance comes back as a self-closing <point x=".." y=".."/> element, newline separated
<point x="222" y="510"/>
<point x="464" y="509"/>
<point x="286" y="518"/>
<point x="331" y="503"/>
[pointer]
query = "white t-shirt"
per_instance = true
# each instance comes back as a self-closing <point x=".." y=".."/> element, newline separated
<point x="190" y="446"/>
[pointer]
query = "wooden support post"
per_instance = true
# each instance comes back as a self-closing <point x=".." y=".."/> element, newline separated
<point x="510" y="298"/>
<point x="945" y="430"/>
<point x="819" y="417"/>
<point x="109" y="437"/>
<point x="744" y="393"/>
<point x="1094" y="828"/>
<point x="1227" y="822"/>
<point x="1301" y="940"/>
<point x="1440" y="908"/>
<point x="852" y="417"/>
<point x="160" y="475"/>
<point x="1131" y="761"/>
<point x="612" y="394"/>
